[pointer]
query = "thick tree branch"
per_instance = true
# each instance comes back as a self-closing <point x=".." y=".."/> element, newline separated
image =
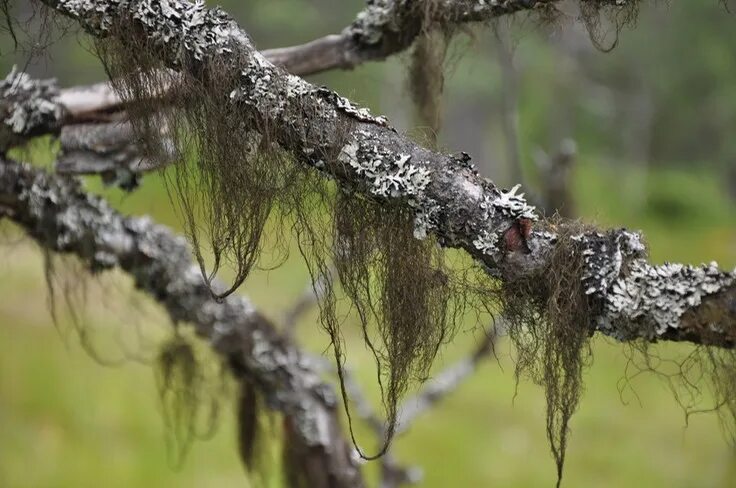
<point x="62" y="218"/>
<point x="632" y="298"/>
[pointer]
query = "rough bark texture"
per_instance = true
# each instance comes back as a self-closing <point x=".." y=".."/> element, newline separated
<point x="62" y="218"/>
<point x="632" y="298"/>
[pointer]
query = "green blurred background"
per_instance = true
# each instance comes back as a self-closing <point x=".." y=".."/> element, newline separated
<point x="655" y="126"/>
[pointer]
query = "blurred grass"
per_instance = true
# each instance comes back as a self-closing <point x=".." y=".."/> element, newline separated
<point x="68" y="421"/>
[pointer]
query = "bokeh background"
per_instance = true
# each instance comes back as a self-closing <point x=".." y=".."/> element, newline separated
<point x="654" y="122"/>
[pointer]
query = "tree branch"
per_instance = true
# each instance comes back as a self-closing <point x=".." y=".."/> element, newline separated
<point x="633" y="299"/>
<point x="387" y="27"/>
<point x="62" y="218"/>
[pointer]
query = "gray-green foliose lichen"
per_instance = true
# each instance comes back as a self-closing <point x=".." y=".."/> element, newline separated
<point x="388" y="174"/>
<point x="500" y="206"/>
<point x="639" y="299"/>
<point x="370" y="23"/>
<point x="189" y="29"/>
<point x="27" y="108"/>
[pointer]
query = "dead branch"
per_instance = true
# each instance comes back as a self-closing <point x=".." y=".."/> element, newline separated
<point x="632" y="298"/>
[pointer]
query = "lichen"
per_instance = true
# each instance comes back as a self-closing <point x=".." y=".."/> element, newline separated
<point x="656" y="297"/>
<point x="190" y="388"/>
<point x="388" y="174"/>
<point x="27" y="106"/>
<point x="549" y="323"/>
<point x="639" y="299"/>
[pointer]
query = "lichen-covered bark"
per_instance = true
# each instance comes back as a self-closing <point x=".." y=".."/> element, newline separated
<point x="670" y="301"/>
<point x="27" y="108"/>
<point x="448" y="197"/>
<point x="62" y="218"/>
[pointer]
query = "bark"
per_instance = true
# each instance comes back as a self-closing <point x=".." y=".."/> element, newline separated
<point x="634" y="300"/>
<point x="55" y="212"/>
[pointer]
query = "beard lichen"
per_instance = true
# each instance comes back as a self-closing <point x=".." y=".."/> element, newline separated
<point x="548" y="319"/>
<point x="231" y="173"/>
<point x="257" y="431"/>
<point x="191" y="386"/>
<point x="600" y="17"/>
<point x="401" y="292"/>
<point x="426" y="79"/>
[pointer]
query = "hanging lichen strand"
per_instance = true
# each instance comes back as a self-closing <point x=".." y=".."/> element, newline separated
<point x="401" y="292"/>
<point x="230" y="175"/>
<point x="602" y="18"/>
<point x="548" y="317"/>
<point x="191" y="385"/>
<point x="426" y="75"/>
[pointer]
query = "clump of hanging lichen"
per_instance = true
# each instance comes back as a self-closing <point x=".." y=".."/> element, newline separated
<point x="702" y="379"/>
<point x="400" y="290"/>
<point x="230" y="175"/>
<point x="69" y="286"/>
<point x="603" y="18"/>
<point x="548" y="318"/>
<point x="722" y="376"/>
<point x="426" y="73"/>
<point x="426" y="80"/>
<point x="191" y="386"/>
<point x="257" y="430"/>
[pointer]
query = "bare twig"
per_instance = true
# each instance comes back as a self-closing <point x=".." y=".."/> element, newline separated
<point x="555" y="179"/>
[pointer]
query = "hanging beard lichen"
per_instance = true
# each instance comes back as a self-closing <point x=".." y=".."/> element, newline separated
<point x="230" y="173"/>
<point x="696" y="375"/>
<point x="397" y="284"/>
<point x="257" y="428"/>
<point x="601" y="16"/>
<point x="426" y="80"/>
<point x="548" y="318"/>
<point x="398" y="288"/>
<point x="190" y="389"/>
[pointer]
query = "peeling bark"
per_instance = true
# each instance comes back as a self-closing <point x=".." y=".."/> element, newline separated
<point x="62" y="218"/>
